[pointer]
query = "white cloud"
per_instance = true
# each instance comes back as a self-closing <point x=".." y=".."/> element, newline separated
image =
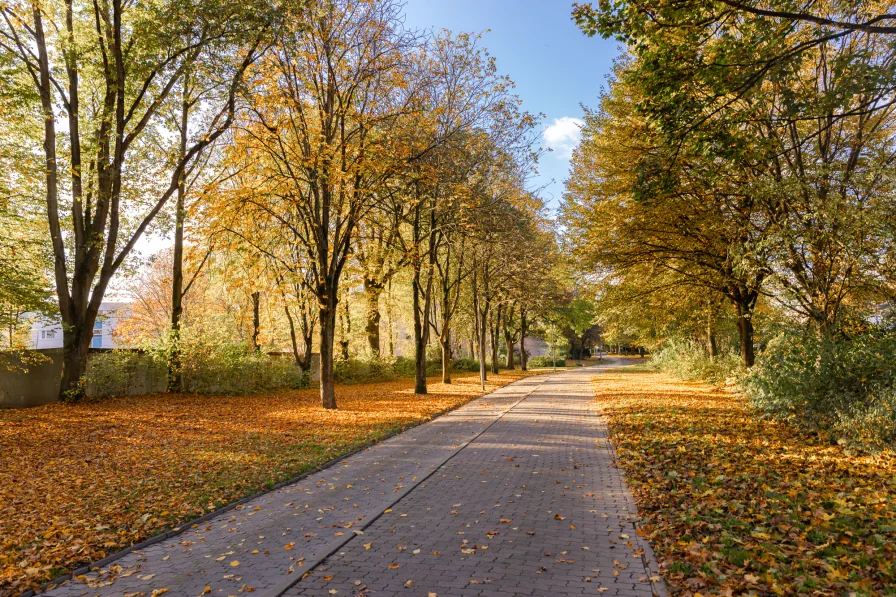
<point x="563" y="136"/>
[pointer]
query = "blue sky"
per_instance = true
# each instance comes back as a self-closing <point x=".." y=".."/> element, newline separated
<point x="555" y="67"/>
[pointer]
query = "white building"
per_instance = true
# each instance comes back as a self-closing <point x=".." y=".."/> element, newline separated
<point x="47" y="333"/>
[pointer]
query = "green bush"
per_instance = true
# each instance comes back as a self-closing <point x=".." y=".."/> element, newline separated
<point x="355" y="371"/>
<point x="545" y="360"/>
<point x="846" y="387"/>
<point x="205" y="369"/>
<point x="125" y="373"/>
<point x="235" y="369"/>
<point x="465" y="365"/>
<point x="687" y="359"/>
<point x="405" y="367"/>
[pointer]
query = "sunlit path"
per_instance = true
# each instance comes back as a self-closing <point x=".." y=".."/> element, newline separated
<point x="513" y="494"/>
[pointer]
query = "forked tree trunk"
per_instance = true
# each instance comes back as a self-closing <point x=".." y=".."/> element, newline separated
<point x="508" y="343"/>
<point x="327" y="340"/>
<point x="745" y="331"/>
<point x="75" y="348"/>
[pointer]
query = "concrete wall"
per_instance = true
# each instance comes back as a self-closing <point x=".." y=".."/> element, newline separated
<point x="24" y="384"/>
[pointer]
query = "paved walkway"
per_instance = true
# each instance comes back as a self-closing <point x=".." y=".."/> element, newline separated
<point x="513" y="494"/>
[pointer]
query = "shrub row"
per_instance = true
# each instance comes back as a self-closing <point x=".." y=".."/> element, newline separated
<point x="205" y="369"/>
<point x="687" y="359"/>
<point x="545" y="361"/>
<point x="355" y="371"/>
<point x="842" y="387"/>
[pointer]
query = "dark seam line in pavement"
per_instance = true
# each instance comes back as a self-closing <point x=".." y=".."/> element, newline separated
<point x="191" y="524"/>
<point x="290" y="583"/>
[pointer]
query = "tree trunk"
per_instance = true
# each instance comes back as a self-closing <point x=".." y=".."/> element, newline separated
<point x="508" y="343"/>
<point x="524" y="358"/>
<point x="256" y="320"/>
<point x="711" y="343"/>
<point x="177" y="266"/>
<point x="493" y="339"/>
<point x="482" y="323"/>
<point x="745" y="331"/>
<point x="420" y="335"/>
<point x="75" y="348"/>
<point x="389" y="315"/>
<point x="445" y="341"/>
<point x="307" y="330"/>
<point x="346" y="332"/>
<point x="293" y="339"/>
<point x="327" y="341"/>
<point x="372" y="291"/>
<point x="480" y="319"/>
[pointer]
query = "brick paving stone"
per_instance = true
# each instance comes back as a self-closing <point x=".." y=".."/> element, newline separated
<point x="533" y="506"/>
<point x="475" y="497"/>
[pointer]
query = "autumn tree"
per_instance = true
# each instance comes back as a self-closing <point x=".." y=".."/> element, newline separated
<point x="379" y="257"/>
<point x="501" y="219"/>
<point x="688" y="215"/>
<point x="466" y="112"/>
<point x="702" y="57"/>
<point x="315" y="143"/>
<point x="104" y="72"/>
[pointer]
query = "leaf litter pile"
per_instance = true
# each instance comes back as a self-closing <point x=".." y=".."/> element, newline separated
<point x="735" y="505"/>
<point x="81" y="481"/>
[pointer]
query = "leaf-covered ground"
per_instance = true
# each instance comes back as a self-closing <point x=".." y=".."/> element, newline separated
<point x="733" y="505"/>
<point x="79" y="482"/>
